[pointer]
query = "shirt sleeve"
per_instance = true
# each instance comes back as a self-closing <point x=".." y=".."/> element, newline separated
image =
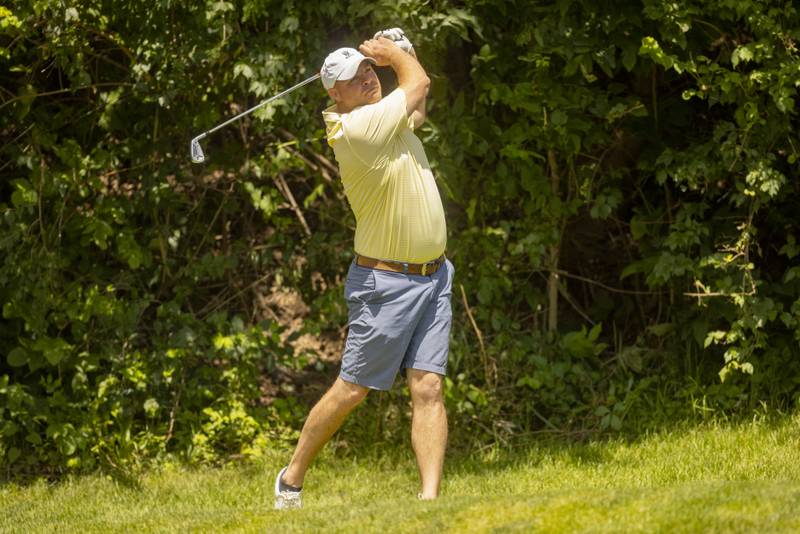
<point x="369" y="128"/>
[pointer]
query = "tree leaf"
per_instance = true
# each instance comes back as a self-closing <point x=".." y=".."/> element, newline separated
<point x="17" y="357"/>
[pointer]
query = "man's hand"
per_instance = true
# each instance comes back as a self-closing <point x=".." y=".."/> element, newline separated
<point x="399" y="38"/>
<point x="382" y="50"/>
<point x="411" y="77"/>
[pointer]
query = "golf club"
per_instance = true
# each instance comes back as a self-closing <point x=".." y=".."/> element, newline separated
<point x="197" y="151"/>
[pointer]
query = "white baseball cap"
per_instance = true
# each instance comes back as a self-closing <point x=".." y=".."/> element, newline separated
<point x="342" y="64"/>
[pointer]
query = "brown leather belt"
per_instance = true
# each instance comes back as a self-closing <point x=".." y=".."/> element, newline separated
<point x="425" y="269"/>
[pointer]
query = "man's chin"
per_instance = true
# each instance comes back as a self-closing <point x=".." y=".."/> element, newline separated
<point x="375" y="96"/>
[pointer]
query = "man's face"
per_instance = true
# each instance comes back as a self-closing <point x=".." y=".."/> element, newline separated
<point x="363" y="88"/>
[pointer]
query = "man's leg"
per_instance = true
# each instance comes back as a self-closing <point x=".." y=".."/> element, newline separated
<point x="428" y="428"/>
<point x="323" y="421"/>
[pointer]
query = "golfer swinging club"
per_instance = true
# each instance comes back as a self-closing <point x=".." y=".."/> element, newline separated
<point x="399" y="284"/>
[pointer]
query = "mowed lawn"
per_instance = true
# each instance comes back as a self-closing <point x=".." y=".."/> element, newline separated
<point x="712" y="478"/>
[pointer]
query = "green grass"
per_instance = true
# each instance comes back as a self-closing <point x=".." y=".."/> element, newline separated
<point x="714" y="478"/>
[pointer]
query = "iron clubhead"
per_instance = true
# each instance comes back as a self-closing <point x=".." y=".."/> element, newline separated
<point x="197" y="151"/>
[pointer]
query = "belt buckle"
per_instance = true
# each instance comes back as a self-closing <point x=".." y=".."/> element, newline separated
<point x="430" y="266"/>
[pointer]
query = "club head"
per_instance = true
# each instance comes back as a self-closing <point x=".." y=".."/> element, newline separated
<point x="197" y="151"/>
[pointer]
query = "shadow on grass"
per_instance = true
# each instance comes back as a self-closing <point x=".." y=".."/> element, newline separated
<point x="382" y="440"/>
<point x="127" y="478"/>
<point x="467" y="457"/>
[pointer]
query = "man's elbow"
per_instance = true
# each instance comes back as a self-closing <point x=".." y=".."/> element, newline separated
<point x="420" y="85"/>
<point x="422" y="88"/>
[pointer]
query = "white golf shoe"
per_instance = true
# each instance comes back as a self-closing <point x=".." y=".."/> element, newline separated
<point x="286" y="500"/>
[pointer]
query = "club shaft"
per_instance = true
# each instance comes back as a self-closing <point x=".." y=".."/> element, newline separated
<point x="262" y="104"/>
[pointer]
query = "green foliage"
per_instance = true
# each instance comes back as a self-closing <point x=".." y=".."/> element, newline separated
<point x="124" y="269"/>
<point x="625" y="164"/>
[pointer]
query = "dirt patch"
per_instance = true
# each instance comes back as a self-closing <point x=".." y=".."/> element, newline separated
<point x="322" y="352"/>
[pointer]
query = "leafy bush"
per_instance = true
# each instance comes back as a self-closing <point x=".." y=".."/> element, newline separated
<point x="620" y="180"/>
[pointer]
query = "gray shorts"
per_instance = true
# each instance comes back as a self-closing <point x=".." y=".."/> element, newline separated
<point x="396" y="321"/>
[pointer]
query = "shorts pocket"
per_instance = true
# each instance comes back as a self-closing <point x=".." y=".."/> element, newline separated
<point x="359" y="284"/>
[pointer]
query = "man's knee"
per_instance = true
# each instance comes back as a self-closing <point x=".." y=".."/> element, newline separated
<point x="425" y="386"/>
<point x="348" y="392"/>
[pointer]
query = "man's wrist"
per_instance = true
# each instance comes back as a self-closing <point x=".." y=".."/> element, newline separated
<point x="398" y="56"/>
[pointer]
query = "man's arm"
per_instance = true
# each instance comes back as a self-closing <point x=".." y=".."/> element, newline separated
<point x="418" y="114"/>
<point x="411" y="77"/>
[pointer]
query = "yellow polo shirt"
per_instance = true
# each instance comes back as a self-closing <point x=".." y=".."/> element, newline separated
<point x="388" y="181"/>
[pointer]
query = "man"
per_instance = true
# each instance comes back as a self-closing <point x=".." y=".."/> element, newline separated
<point x="398" y="286"/>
